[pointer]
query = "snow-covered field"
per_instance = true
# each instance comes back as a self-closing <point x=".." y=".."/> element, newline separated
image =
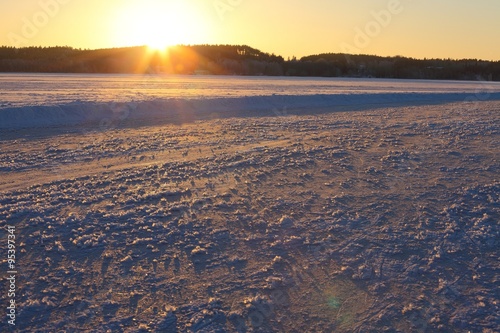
<point x="28" y="100"/>
<point x="58" y="89"/>
<point x="321" y="211"/>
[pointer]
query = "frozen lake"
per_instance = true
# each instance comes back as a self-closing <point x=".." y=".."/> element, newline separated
<point x="229" y="204"/>
<point x="40" y="100"/>
<point x="56" y="89"/>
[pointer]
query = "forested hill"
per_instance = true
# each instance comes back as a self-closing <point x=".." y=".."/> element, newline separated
<point x="238" y="60"/>
<point x="401" y="67"/>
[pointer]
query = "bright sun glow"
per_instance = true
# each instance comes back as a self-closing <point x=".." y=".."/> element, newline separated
<point x="159" y="24"/>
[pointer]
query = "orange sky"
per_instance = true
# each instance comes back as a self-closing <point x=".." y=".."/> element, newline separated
<point x="424" y="28"/>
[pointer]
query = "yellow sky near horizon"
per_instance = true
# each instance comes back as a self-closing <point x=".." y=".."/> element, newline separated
<point x="420" y="29"/>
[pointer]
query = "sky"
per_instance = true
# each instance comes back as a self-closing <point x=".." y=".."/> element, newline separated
<point x="415" y="28"/>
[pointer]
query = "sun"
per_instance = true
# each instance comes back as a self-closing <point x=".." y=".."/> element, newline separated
<point x="159" y="24"/>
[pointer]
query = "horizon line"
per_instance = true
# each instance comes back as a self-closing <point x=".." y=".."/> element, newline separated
<point x="271" y="53"/>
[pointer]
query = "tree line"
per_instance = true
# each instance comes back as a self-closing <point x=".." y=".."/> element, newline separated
<point x="238" y="60"/>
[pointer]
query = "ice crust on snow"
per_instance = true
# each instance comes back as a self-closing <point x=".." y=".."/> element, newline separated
<point x="333" y="222"/>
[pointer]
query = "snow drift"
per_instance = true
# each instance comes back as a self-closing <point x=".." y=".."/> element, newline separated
<point x="185" y="109"/>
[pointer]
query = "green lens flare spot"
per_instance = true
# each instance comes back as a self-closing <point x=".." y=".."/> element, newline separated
<point x="334" y="302"/>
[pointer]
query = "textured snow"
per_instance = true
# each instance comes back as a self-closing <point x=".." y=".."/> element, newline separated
<point x="373" y="221"/>
<point x="292" y="216"/>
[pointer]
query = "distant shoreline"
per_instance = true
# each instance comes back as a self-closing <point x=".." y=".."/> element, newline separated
<point x="238" y="60"/>
<point x="248" y="76"/>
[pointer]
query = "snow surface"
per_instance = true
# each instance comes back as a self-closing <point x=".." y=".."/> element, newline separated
<point x="58" y="100"/>
<point x="296" y="219"/>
